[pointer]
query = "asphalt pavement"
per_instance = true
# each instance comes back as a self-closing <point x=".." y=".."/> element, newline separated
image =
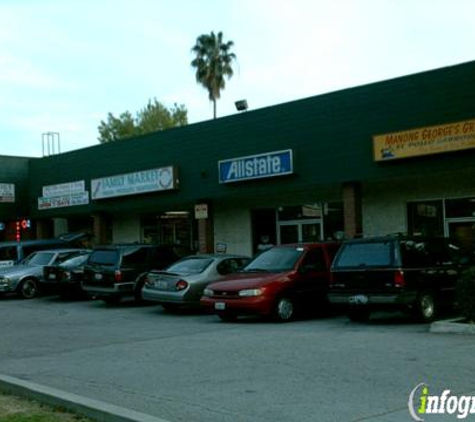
<point x="188" y="366"/>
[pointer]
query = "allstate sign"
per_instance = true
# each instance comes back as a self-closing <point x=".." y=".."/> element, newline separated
<point x="269" y="164"/>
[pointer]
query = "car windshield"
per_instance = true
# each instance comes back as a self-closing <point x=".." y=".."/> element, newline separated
<point x="104" y="257"/>
<point x="38" y="258"/>
<point x="191" y="265"/>
<point x="365" y="254"/>
<point x="275" y="260"/>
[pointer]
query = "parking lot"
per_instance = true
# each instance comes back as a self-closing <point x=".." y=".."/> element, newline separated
<point x="188" y="366"/>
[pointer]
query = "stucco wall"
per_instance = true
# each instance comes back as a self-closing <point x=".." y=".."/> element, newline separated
<point x="232" y="226"/>
<point x="385" y="203"/>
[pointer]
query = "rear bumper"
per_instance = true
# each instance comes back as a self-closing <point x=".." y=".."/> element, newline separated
<point x="161" y="296"/>
<point x="374" y="300"/>
<point x="258" y="305"/>
<point x="118" y="289"/>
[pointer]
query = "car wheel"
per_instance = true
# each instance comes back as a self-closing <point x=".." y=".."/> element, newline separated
<point x="284" y="309"/>
<point x="227" y="317"/>
<point x="29" y="289"/>
<point x="138" y="290"/>
<point x="426" y="307"/>
<point x="358" y="315"/>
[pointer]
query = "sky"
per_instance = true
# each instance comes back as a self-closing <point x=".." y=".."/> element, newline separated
<point x="64" y="65"/>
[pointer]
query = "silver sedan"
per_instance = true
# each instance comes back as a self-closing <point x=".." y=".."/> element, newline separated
<point x="183" y="282"/>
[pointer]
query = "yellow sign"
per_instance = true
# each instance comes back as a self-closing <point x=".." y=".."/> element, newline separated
<point x="428" y="140"/>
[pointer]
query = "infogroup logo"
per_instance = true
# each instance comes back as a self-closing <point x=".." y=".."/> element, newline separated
<point x="422" y="403"/>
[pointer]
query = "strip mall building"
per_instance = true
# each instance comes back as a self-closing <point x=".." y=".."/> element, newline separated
<point x="393" y="156"/>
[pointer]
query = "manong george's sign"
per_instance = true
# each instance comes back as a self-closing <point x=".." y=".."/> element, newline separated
<point x="425" y="141"/>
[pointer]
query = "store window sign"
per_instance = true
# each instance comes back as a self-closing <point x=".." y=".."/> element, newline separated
<point x="153" y="180"/>
<point x="7" y="192"/>
<point x="425" y="141"/>
<point x="269" y="164"/>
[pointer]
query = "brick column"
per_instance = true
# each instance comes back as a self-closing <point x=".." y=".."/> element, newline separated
<point x="205" y="236"/>
<point x="203" y="215"/>
<point x="352" y="213"/>
<point x="99" y="229"/>
<point x="43" y="229"/>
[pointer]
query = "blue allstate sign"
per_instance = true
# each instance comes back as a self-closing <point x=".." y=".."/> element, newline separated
<point x="269" y="164"/>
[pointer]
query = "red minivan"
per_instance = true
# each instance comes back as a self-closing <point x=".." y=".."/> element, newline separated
<point x="276" y="283"/>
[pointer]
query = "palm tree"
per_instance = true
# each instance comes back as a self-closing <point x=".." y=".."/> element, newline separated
<point x="213" y="62"/>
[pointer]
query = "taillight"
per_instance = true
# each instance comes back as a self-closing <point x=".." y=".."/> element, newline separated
<point x="181" y="285"/>
<point x="118" y="276"/>
<point x="399" y="280"/>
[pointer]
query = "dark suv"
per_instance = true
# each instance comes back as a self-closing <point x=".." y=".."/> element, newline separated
<point x="116" y="271"/>
<point x="396" y="272"/>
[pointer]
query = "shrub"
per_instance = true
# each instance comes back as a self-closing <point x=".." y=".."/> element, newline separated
<point x="465" y="292"/>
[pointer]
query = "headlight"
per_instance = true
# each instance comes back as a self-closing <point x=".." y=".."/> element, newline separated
<point x="208" y="292"/>
<point x="250" y="292"/>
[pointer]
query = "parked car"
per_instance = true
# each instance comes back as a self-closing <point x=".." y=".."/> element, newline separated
<point x="396" y="272"/>
<point x="13" y="252"/>
<point x="66" y="278"/>
<point x="24" y="278"/>
<point x="117" y="271"/>
<point x="182" y="283"/>
<point x="275" y="283"/>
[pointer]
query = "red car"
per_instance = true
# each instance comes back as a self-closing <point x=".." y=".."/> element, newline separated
<point x="275" y="283"/>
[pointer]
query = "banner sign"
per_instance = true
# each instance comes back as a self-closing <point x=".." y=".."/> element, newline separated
<point x="7" y="192"/>
<point x="45" y="203"/>
<point x="269" y="164"/>
<point x="153" y="180"/>
<point x="68" y="194"/>
<point x="424" y="141"/>
<point x="64" y="189"/>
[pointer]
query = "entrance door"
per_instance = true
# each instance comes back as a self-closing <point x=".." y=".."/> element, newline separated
<point x="462" y="230"/>
<point x="299" y="231"/>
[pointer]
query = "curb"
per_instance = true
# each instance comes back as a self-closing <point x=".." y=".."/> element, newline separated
<point x="453" y="326"/>
<point x="94" y="409"/>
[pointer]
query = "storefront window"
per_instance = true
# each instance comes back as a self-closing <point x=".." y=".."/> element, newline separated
<point x="460" y="208"/>
<point x="426" y="218"/>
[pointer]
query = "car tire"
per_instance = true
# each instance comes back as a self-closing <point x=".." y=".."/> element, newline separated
<point x="359" y="314"/>
<point x="284" y="309"/>
<point x="426" y="308"/>
<point x="227" y="317"/>
<point x="29" y="289"/>
<point x="138" y="290"/>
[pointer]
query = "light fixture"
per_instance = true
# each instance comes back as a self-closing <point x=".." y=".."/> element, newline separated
<point x="241" y="105"/>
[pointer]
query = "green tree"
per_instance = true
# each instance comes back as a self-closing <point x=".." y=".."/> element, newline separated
<point x="213" y="63"/>
<point x="153" y="117"/>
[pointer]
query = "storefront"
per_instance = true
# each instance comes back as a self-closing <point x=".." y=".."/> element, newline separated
<point x="394" y="156"/>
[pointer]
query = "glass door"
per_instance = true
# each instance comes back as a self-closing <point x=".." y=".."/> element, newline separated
<point x="299" y="231"/>
<point x="462" y="230"/>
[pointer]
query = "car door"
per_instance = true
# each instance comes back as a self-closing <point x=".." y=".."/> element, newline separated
<point x="313" y="277"/>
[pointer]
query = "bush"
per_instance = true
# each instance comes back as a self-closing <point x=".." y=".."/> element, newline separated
<point x="465" y="292"/>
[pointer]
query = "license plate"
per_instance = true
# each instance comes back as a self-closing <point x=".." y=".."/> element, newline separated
<point x="161" y="285"/>
<point x="220" y="306"/>
<point x="358" y="300"/>
<point x="98" y="276"/>
<point x="52" y="276"/>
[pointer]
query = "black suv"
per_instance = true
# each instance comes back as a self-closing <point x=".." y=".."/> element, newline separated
<point x="116" y="271"/>
<point x="395" y="272"/>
